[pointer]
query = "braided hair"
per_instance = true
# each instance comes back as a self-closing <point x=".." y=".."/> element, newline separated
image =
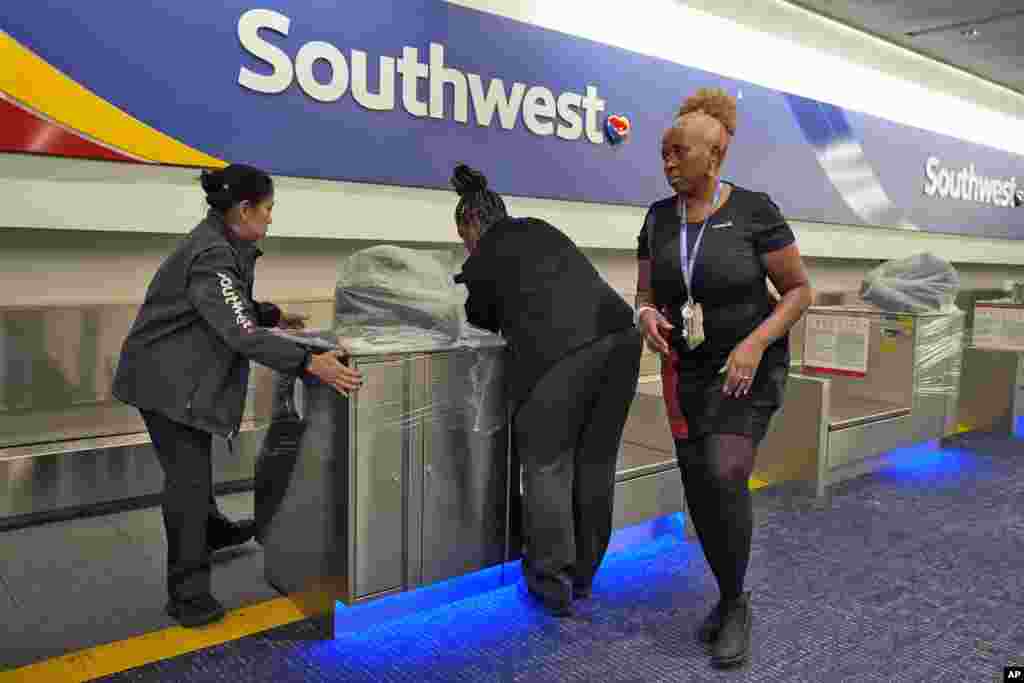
<point x="475" y="199"/>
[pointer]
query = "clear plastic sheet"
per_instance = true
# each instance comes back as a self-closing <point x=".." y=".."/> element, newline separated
<point x="921" y="284"/>
<point x="908" y="354"/>
<point x="393" y="301"/>
<point x="396" y="300"/>
<point x="1014" y="291"/>
<point x="465" y="392"/>
<point x="940" y="354"/>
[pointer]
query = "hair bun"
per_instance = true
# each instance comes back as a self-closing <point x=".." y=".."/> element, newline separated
<point x="467" y="181"/>
<point x="212" y="181"/>
<point x="218" y="194"/>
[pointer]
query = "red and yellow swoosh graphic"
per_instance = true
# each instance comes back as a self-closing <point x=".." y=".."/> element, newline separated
<point x="42" y="111"/>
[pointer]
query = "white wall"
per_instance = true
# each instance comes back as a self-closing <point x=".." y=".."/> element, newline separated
<point x="123" y="215"/>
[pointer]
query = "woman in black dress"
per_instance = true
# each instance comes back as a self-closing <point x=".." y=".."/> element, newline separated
<point x="729" y="335"/>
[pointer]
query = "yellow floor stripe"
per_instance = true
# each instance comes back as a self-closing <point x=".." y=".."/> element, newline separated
<point x="30" y="80"/>
<point x="105" y="660"/>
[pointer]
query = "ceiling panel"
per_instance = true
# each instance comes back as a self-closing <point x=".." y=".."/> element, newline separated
<point x="897" y="16"/>
<point x="936" y="28"/>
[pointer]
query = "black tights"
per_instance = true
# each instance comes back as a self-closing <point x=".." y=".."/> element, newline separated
<point x="716" y="472"/>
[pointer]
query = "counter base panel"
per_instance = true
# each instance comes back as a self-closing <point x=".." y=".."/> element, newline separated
<point x="991" y="390"/>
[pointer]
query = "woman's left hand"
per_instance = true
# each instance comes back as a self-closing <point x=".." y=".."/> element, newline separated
<point x="293" y="321"/>
<point x="741" y="368"/>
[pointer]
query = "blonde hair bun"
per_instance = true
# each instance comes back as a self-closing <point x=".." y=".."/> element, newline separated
<point x="716" y="103"/>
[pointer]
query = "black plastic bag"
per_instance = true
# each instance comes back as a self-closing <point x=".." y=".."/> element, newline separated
<point x="278" y="455"/>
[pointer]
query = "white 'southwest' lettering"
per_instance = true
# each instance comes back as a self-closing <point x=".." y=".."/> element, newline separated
<point x="966" y="185"/>
<point x="231" y="298"/>
<point x="568" y="116"/>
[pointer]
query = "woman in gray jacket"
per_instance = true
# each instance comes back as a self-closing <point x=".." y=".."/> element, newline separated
<point x="185" y="366"/>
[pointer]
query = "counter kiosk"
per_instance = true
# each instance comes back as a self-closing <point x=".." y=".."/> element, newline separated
<point x="866" y="382"/>
<point x="992" y="386"/>
<point x="403" y="484"/>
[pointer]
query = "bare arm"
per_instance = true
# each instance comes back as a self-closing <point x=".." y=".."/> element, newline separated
<point x="789" y="276"/>
<point x="653" y="325"/>
<point x="644" y="296"/>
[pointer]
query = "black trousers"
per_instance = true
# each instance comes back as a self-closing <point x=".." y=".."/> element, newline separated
<point x="190" y="512"/>
<point x="567" y="435"/>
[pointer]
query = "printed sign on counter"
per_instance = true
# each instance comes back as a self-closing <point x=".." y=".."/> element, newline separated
<point x="999" y="327"/>
<point x="836" y="345"/>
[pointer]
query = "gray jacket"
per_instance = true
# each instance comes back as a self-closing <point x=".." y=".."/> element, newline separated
<point x="187" y="355"/>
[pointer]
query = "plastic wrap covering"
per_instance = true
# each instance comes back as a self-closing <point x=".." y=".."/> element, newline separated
<point x="922" y="283"/>
<point x="395" y="300"/>
<point x="1015" y="290"/>
<point x="940" y="354"/>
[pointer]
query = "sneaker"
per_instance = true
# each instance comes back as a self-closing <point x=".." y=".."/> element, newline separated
<point x="200" y="610"/>
<point x="234" y="533"/>
<point x="733" y="644"/>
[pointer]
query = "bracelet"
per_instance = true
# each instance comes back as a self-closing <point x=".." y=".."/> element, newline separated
<point x="639" y="311"/>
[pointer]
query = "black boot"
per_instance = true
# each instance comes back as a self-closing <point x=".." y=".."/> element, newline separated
<point x="196" y="611"/>
<point x="581" y="591"/>
<point x="554" y="592"/>
<point x="708" y="631"/>
<point x="732" y="647"/>
<point x="222" y="533"/>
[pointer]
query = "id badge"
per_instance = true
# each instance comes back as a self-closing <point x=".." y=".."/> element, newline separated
<point x="693" y="324"/>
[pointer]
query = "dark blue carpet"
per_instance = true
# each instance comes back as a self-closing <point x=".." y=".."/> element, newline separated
<point x="910" y="574"/>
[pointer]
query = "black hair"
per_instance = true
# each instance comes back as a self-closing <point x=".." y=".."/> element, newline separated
<point x="474" y="197"/>
<point x="237" y="183"/>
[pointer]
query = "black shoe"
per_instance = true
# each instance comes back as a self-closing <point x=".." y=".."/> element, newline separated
<point x="580" y="591"/>
<point x="232" y="534"/>
<point x="554" y="592"/>
<point x="732" y="647"/>
<point x="198" y="611"/>
<point x="708" y="631"/>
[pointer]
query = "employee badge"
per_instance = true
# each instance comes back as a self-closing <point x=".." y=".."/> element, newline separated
<point x="693" y="324"/>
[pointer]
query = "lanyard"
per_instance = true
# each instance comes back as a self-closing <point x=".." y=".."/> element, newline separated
<point x="688" y="262"/>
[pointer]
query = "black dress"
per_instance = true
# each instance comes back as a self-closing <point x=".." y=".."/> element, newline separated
<point x="729" y="281"/>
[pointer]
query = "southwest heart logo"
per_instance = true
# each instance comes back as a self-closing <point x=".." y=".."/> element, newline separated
<point x="617" y="128"/>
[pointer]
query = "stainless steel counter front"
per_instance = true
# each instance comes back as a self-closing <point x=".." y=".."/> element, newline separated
<point x="392" y="489"/>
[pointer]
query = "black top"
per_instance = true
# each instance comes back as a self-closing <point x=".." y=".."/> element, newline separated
<point x="530" y="282"/>
<point x="729" y="279"/>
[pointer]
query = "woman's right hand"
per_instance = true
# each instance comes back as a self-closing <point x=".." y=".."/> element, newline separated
<point x="656" y="331"/>
<point x="329" y="369"/>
